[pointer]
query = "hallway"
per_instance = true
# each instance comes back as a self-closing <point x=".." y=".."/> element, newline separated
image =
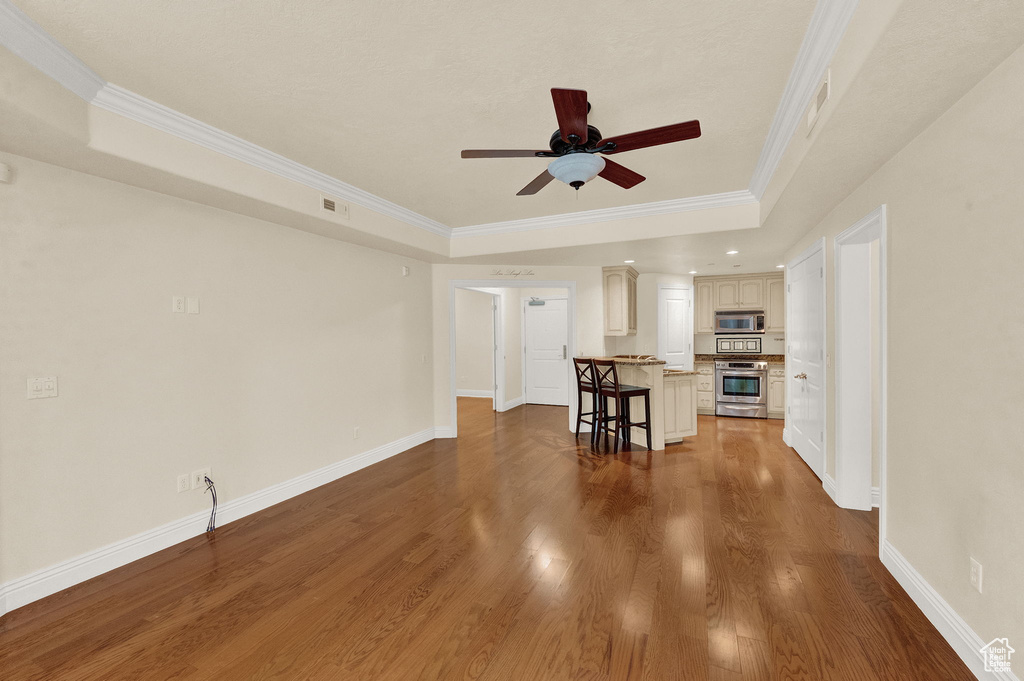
<point x="511" y="553"/>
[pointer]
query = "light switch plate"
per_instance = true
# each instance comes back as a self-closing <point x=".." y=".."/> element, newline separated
<point x="193" y="306"/>
<point x="42" y="387"/>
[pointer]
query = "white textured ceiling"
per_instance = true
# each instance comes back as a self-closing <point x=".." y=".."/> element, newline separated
<point x="384" y="95"/>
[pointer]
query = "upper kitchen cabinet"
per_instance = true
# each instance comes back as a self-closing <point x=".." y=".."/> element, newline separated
<point x="704" y="307"/>
<point x="619" y="301"/>
<point x="749" y="292"/>
<point x="745" y="293"/>
<point x="775" y="305"/>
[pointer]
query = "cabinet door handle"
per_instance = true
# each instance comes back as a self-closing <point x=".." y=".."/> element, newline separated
<point x="564" y="352"/>
<point x="801" y="375"/>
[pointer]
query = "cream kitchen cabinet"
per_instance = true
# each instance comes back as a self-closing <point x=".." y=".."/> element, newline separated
<point x="619" y="301"/>
<point x="776" y="391"/>
<point x="704" y="308"/>
<point x="752" y="292"/>
<point x="705" y="387"/>
<point x="680" y="406"/>
<point x="775" y="305"/>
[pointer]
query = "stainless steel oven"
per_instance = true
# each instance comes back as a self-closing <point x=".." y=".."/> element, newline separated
<point x="739" y="321"/>
<point x="741" y="388"/>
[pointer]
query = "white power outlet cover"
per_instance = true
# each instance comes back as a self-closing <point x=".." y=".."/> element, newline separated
<point x="976" y="575"/>
<point x="178" y="304"/>
<point x="183" y="483"/>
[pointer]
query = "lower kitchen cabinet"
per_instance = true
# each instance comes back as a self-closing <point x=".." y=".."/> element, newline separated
<point x="680" y="406"/>
<point x="776" y="391"/>
<point x="705" y="387"/>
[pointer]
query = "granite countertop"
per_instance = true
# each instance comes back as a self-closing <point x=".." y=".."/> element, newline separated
<point x="633" y="360"/>
<point x="771" y="359"/>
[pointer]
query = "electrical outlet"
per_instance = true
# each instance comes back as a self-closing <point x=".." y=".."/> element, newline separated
<point x="198" y="477"/>
<point x="355" y="433"/>
<point x="976" y="575"/>
<point x="178" y="304"/>
<point x="183" y="483"/>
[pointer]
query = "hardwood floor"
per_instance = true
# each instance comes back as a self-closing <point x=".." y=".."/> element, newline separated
<point x="512" y="553"/>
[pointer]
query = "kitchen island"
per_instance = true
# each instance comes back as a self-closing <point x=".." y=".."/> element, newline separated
<point x="673" y="398"/>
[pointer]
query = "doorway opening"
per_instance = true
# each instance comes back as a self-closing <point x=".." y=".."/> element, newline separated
<point x="860" y="364"/>
<point x="507" y="339"/>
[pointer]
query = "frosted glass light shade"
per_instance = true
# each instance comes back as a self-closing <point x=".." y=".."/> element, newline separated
<point x="576" y="169"/>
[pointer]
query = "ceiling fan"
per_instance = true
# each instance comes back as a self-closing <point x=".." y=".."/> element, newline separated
<point x="575" y="146"/>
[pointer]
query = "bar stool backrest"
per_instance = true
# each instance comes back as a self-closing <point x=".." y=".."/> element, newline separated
<point x="607" y="376"/>
<point x="586" y="374"/>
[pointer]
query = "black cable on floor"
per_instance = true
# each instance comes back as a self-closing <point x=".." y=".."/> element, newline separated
<point x="212" y="525"/>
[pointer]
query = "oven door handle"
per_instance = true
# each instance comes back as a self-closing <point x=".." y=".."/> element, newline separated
<point x="741" y="372"/>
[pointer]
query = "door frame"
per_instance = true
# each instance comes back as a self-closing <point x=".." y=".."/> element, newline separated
<point x="661" y="342"/>
<point x="522" y="340"/>
<point x="817" y="246"/>
<point x="498" y="346"/>
<point x="453" y="284"/>
<point x="868" y="229"/>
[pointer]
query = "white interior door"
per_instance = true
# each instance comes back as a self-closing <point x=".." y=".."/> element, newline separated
<point x="675" y="339"/>
<point x="805" y="331"/>
<point x="546" y="359"/>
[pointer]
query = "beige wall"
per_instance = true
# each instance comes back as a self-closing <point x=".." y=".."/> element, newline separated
<point x="474" y="341"/>
<point x="955" y="469"/>
<point x="260" y="385"/>
<point x="589" y="319"/>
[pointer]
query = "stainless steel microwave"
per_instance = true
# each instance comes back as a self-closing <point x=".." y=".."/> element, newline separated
<point x="739" y="321"/>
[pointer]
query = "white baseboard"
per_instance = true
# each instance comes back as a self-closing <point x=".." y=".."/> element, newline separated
<point x="29" y="588"/>
<point x="876" y="497"/>
<point x="474" y="393"/>
<point x="957" y="633"/>
<point x="443" y="432"/>
<point x="785" y="437"/>
<point x="829" y="483"/>
<point x="513" y="403"/>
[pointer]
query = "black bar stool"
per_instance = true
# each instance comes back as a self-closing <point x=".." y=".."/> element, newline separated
<point x="586" y="382"/>
<point x="609" y="387"/>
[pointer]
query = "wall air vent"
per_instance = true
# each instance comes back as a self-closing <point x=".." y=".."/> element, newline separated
<point x="821" y="96"/>
<point x="330" y="205"/>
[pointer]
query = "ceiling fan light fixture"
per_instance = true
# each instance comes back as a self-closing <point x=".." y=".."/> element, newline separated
<point x="576" y="169"/>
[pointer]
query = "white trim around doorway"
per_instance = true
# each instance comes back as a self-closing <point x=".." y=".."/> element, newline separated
<point x="866" y="230"/>
<point x="453" y="284"/>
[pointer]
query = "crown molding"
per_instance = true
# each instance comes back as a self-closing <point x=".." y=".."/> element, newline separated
<point x="638" y="210"/>
<point x="828" y="24"/>
<point x="25" y="38"/>
<point x="138" y="108"/>
<point x="28" y="40"/>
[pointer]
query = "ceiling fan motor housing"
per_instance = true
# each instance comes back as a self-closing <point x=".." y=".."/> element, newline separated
<point x="560" y="146"/>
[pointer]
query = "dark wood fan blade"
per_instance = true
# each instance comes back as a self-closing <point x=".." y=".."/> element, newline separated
<point x="571" y="111"/>
<point x="620" y="175"/>
<point x="538" y="183"/>
<point x="654" y="137"/>
<point x="497" y="153"/>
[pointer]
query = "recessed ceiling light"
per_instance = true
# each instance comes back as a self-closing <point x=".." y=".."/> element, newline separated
<point x="693" y="271"/>
<point x="731" y="252"/>
<point x="780" y="266"/>
<point x="629" y="262"/>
